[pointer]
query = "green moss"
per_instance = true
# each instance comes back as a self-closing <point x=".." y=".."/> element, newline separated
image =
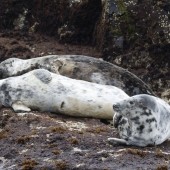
<point x="124" y="24"/>
<point x="121" y="6"/>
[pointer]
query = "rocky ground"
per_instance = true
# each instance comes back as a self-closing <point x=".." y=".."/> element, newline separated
<point x="47" y="141"/>
<point x="132" y="34"/>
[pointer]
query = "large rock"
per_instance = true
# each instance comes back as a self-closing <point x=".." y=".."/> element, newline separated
<point x="136" y="35"/>
<point x="69" y="20"/>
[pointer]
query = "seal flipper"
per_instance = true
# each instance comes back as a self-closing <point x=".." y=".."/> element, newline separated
<point x="116" y="141"/>
<point x="19" y="107"/>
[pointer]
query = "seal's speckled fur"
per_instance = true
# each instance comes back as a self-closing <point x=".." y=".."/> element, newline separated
<point x="42" y="90"/>
<point x="80" y="68"/>
<point x="142" y="120"/>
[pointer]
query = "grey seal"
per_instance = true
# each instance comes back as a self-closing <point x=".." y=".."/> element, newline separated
<point x="141" y="120"/>
<point x="45" y="91"/>
<point x="78" y="67"/>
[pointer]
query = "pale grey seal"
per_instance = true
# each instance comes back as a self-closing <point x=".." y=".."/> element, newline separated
<point x="45" y="91"/>
<point x="141" y="120"/>
<point x="78" y="67"/>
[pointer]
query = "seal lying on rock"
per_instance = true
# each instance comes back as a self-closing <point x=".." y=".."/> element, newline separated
<point x="80" y="68"/>
<point x="45" y="91"/>
<point x="141" y="120"/>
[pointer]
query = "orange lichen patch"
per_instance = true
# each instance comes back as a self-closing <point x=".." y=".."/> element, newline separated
<point x="58" y="129"/>
<point x="61" y="165"/>
<point x="28" y="164"/>
<point x="136" y="152"/>
<point x="23" y="139"/>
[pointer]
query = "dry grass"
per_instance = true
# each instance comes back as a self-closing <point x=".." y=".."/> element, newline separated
<point x="136" y="152"/>
<point x="162" y="167"/>
<point x="97" y="130"/>
<point x="73" y="141"/>
<point x="56" y="152"/>
<point x="23" y="139"/>
<point x="3" y="134"/>
<point x="28" y="164"/>
<point x="61" y="165"/>
<point x="58" y="129"/>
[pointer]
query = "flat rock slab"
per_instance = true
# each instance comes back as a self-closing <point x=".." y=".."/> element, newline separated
<point x="49" y="141"/>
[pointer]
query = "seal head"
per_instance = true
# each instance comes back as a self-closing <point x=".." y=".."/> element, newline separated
<point x="142" y="120"/>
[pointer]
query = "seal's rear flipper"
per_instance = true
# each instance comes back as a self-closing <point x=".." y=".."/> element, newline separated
<point x="116" y="141"/>
<point x="19" y="107"/>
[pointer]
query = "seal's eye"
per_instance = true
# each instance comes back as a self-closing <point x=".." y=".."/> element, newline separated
<point x="131" y="102"/>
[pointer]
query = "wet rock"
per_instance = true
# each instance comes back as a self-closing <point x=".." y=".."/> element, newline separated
<point x="55" y="18"/>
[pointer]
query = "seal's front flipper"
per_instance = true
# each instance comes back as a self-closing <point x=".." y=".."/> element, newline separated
<point x="116" y="141"/>
<point x="19" y="107"/>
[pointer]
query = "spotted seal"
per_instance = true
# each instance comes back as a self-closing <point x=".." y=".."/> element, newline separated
<point x="78" y="67"/>
<point x="45" y="91"/>
<point x="141" y="120"/>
